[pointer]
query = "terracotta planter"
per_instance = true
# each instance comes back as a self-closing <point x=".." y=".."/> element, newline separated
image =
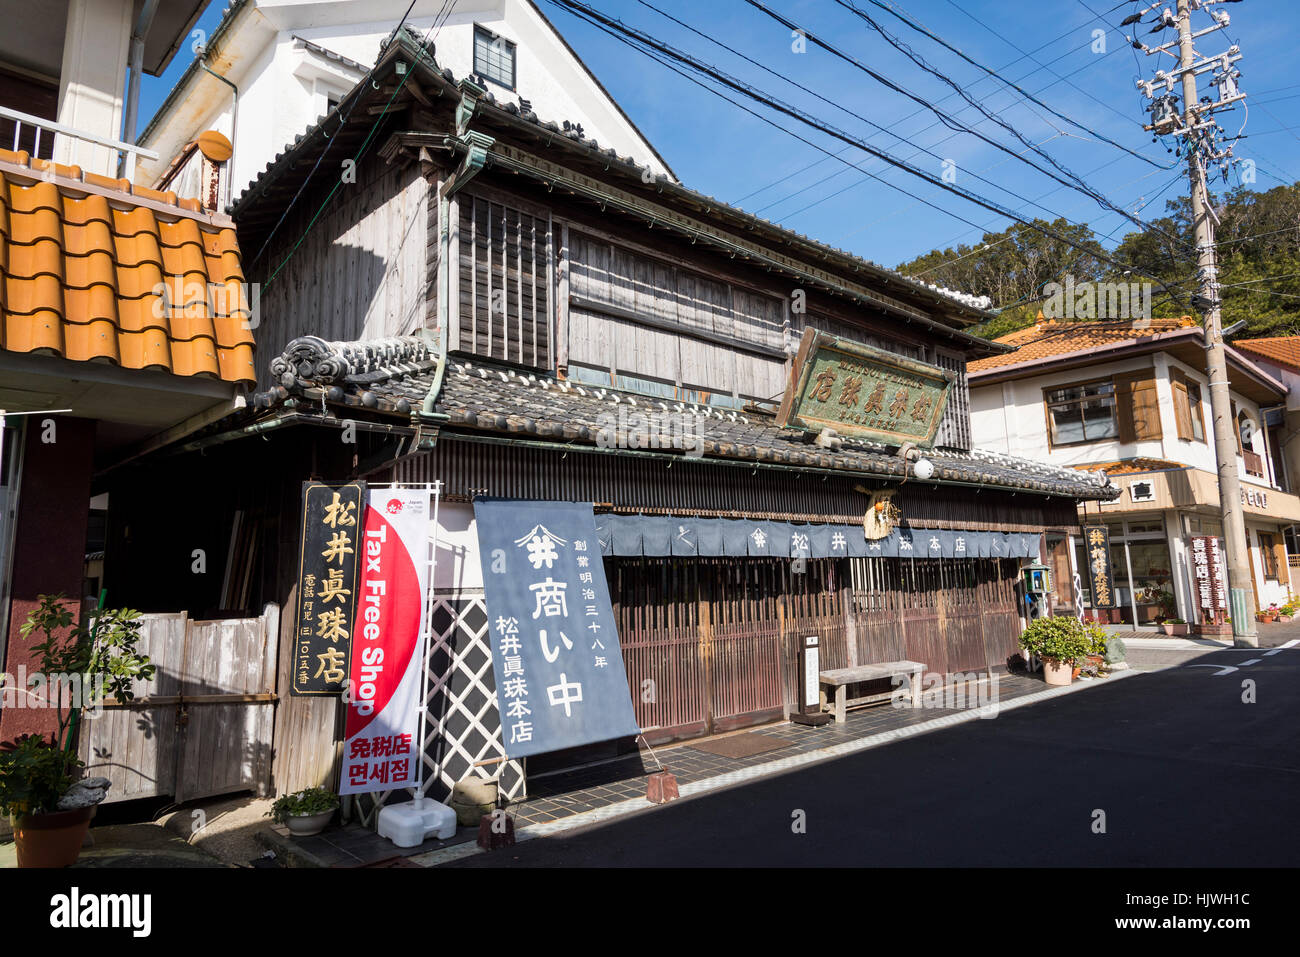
<point x="1057" y="672"/>
<point x="51" y="840"/>
<point x="1173" y="629"/>
<point x="305" y="825"/>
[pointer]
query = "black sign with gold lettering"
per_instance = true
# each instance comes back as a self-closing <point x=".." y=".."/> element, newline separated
<point x="332" y="518"/>
<point x="1096" y="546"/>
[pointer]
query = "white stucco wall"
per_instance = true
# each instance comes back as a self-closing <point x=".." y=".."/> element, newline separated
<point x="283" y="87"/>
<point x="1011" y="417"/>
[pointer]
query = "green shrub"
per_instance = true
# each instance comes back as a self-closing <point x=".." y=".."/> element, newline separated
<point x="1061" y="638"/>
<point x="302" y="803"/>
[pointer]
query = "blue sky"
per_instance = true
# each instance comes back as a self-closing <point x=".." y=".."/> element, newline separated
<point x="1046" y="47"/>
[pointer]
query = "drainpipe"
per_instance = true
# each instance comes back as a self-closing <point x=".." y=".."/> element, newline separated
<point x="444" y="284"/>
<point x="234" y="121"/>
<point x="141" y="30"/>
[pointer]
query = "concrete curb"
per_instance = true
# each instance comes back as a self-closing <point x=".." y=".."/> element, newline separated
<point x="1176" y="644"/>
<point x="732" y="778"/>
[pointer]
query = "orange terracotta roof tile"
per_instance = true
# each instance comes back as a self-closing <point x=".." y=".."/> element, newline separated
<point x="1282" y="350"/>
<point x="80" y="275"/>
<point x="1049" y="338"/>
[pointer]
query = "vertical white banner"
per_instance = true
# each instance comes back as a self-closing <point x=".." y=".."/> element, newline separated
<point x="382" y="748"/>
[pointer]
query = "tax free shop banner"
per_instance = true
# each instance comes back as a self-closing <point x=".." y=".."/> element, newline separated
<point x="555" y="654"/>
<point x="381" y="750"/>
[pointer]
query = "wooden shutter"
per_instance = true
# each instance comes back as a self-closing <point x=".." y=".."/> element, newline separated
<point x="1137" y="408"/>
<point x="1182" y="405"/>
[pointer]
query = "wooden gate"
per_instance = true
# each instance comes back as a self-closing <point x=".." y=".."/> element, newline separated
<point x="709" y="644"/>
<point x="203" y="725"/>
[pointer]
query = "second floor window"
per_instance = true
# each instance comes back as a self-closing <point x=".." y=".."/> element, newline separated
<point x="494" y="57"/>
<point x="1268" y="555"/>
<point x="1082" y="413"/>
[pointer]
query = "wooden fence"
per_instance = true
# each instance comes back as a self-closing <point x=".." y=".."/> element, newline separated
<point x="203" y="725"/>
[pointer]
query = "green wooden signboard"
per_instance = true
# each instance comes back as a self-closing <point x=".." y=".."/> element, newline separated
<point x="863" y="392"/>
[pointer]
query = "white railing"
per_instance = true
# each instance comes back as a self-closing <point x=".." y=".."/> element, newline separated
<point x="126" y="153"/>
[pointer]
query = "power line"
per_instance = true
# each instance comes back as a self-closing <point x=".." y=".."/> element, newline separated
<point x="958" y="112"/>
<point x="829" y="102"/>
<point x="439" y="19"/>
<point x="632" y="37"/>
<point x="951" y="122"/>
<point x="907" y="21"/>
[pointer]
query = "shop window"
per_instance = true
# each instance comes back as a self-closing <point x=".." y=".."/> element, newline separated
<point x="494" y="57"/>
<point x="1082" y="413"/>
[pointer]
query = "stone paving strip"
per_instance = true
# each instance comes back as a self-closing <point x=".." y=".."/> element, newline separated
<point x="731" y="778"/>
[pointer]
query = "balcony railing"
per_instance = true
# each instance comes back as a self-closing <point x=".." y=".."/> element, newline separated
<point x="1254" y="463"/>
<point x="37" y="137"/>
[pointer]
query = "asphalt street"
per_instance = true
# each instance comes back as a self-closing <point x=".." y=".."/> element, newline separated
<point x="1169" y="768"/>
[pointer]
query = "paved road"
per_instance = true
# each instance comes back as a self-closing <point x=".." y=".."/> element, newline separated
<point x="1185" y="773"/>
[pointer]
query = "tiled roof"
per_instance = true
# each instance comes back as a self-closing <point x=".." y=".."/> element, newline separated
<point x="1281" y="350"/>
<point x="395" y="375"/>
<point x="1050" y="338"/>
<point x="1131" y="466"/>
<point x="81" y="257"/>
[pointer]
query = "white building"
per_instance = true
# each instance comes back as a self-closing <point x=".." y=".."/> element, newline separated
<point x="1133" y="399"/>
<point x="70" y="75"/>
<point x="274" y="68"/>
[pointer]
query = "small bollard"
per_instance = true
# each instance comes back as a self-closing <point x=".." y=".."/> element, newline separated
<point x="496" y="830"/>
<point x="661" y="787"/>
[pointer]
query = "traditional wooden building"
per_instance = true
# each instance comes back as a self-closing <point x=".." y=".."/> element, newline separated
<point x="504" y="306"/>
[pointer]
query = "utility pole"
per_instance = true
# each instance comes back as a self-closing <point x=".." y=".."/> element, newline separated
<point x="1201" y="133"/>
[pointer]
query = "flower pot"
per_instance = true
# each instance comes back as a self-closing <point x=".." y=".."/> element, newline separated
<point x="51" y="840"/>
<point x="1173" y="629"/>
<point x="305" y="825"/>
<point x="1057" y="672"/>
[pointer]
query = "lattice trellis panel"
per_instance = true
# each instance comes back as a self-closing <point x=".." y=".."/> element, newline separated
<point x="463" y="726"/>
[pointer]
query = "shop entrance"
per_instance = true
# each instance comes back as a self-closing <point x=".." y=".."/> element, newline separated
<point x="708" y="642"/>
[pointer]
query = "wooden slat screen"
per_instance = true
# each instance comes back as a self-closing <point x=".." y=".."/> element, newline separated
<point x="954" y="427"/>
<point x="505" y="257"/>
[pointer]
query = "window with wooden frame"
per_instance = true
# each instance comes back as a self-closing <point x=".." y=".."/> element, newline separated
<point x="1188" y="414"/>
<point x="494" y="57"/>
<point x="504" y="302"/>
<point x="1268" y="554"/>
<point x="1082" y="413"/>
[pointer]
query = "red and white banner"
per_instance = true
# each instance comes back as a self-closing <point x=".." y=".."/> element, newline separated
<point x="381" y="748"/>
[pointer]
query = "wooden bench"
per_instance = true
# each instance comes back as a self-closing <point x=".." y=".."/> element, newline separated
<point x="841" y="678"/>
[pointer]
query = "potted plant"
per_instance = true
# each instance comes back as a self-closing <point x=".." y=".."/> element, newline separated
<point x="48" y="807"/>
<point x="1059" y="641"/>
<point x="1174" y="626"/>
<point x="304" y="812"/>
<point x="1286" y="612"/>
